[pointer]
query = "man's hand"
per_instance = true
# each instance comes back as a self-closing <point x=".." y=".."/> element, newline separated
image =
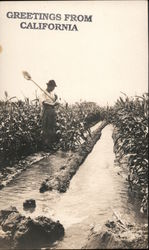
<point x="50" y="104"/>
<point x="56" y="97"/>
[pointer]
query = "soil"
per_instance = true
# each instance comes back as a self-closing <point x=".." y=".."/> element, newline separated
<point x="118" y="234"/>
<point x="20" y="232"/>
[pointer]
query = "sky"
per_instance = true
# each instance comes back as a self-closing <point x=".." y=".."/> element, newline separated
<point x="96" y="63"/>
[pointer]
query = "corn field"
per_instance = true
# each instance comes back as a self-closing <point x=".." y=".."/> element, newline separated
<point x="20" y="129"/>
<point x="20" y="132"/>
<point x="130" y="117"/>
<point x="74" y="122"/>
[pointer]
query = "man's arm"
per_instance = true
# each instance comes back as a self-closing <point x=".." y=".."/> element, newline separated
<point x="48" y="102"/>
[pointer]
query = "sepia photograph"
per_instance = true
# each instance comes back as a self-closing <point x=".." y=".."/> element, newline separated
<point x="74" y="124"/>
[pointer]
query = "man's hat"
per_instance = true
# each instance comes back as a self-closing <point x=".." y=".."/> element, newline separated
<point x="51" y="83"/>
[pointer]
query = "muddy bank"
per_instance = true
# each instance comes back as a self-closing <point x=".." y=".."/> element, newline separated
<point x="65" y="164"/>
<point x="20" y="232"/>
<point x="8" y="173"/>
<point x="118" y="234"/>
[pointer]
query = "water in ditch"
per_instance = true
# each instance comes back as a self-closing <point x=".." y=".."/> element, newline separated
<point x="98" y="189"/>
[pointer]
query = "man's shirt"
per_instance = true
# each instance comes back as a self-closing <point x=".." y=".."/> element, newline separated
<point x="48" y="98"/>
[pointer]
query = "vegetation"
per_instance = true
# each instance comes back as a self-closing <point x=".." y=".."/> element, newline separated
<point x="20" y="132"/>
<point x="130" y="116"/>
<point x="20" y="129"/>
<point x="74" y="122"/>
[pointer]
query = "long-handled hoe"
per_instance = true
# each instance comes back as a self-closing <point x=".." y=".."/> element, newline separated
<point x="28" y="77"/>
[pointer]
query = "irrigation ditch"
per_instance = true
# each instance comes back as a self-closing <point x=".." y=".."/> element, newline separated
<point x="72" y="161"/>
<point x="92" y="210"/>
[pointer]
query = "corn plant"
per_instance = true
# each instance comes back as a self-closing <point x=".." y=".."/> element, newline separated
<point x="20" y="129"/>
<point x="74" y="122"/>
<point x="72" y="127"/>
<point x="130" y="116"/>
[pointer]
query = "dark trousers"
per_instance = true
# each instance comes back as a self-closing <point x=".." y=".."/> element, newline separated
<point x="48" y="126"/>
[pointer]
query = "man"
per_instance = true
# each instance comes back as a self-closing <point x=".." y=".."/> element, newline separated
<point x="49" y="101"/>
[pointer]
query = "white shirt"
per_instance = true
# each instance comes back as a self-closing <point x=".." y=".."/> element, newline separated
<point x="48" y="98"/>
